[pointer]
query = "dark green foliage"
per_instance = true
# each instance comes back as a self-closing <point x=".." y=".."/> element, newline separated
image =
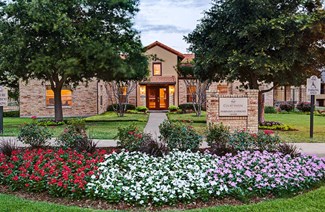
<point x="75" y="137"/>
<point x="115" y="107"/>
<point x="179" y="136"/>
<point x="187" y="107"/>
<point x="246" y="141"/>
<point x="143" y="109"/>
<point x="11" y="114"/>
<point x="131" y="138"/>
<point x="256" y="41"/>
<point x="304" y="106"/>
<point x="288" y="149"/>
<point x="7" y="146"/>
<point x="172" y="108"/>
<point x="287" y="106"/>
<point x="34" y="135"/>
<point x="217" y="134"/>
<point x="69" y="42"/>
<point x="269" y="109"/>
<point x="153" y="147"/>
<point x="49" y="122"/>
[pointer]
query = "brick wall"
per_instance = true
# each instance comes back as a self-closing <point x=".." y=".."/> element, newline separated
<point x="249" y="122"/>
<point x="33" y="100"/>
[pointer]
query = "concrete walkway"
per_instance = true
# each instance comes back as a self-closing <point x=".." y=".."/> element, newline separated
<point x="155" y="119"/>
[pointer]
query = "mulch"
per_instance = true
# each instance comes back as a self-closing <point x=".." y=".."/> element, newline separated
<point x="104" y="205"/>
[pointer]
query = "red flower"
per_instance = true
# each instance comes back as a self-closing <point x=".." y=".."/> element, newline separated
<point x="15" y="178"/>
<point x="268" y="132"/>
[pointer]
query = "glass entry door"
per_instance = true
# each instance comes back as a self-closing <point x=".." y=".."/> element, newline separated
<point x="157" y="98"/>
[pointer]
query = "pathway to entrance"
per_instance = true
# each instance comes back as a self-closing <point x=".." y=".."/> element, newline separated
<point x="155" y="119"/>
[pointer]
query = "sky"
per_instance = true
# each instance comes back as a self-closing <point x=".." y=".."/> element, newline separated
<point x="168" y="21"/>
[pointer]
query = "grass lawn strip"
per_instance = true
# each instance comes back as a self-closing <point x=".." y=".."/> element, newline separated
<point x="102" y="126"/>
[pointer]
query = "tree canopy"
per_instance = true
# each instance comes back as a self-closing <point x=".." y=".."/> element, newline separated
<point x="260" y="41"/>
<point x="70" y="41"/>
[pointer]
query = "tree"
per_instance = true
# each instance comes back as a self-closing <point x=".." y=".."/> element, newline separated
<point x="197" y="86"/>
<point x="69" y="42"/>
<point x="260" y="41"/>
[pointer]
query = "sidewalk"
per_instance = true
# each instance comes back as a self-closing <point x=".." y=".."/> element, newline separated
<point x="152" y="127"/>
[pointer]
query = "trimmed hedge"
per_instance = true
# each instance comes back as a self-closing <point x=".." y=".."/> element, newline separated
<point x="128" y="107"/>
<point x="11" y="114"/>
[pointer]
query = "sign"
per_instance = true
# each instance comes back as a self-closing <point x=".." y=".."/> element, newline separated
<point x="233" y="107"/>
<point x="313" y="86"/>
<point x="3" y="96"/>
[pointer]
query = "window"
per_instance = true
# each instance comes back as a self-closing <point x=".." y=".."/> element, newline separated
<point x="66" y="96"/>
<point x="191" y="93"/>
<point x="122" y="94"/>
<point x="156" y="69"/>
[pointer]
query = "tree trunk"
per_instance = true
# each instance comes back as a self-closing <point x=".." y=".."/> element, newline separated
<point x="261" y="103"/>
<point x="58" y="104"/>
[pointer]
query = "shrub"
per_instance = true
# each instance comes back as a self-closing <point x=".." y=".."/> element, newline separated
<point x="269" y="109"/>
<point x="86" y="145"/>
<point x="152" y="147"/>
<point x="186" y="107"/>
<point x="116" y="107"/>
<point x="34" y="135"/>
<point x="179" y="136"/>
<point x="242" y="140"/>
<point x="172" y="108"/>
<point x="143" y="109"/>
<point x="267" y="140"/>
<point x="79" y="125"/>
<point x="217" y="134"/>
<point x="11" y="114"/>
<point x="288" y="149"/>
<point x="70" y="137"/>
<point x="7" y="146"/>
<point x="130" y="137"/>
<point x="286" y="106"/>
<point x="271" y="125"/>
<point x="304" y="106"/>
<point x="49" y="122"/>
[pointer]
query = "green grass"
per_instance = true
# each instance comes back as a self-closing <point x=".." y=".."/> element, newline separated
<point x="301" y="123"/>
<point x="298" y="121"/>
<point x="98" y="127"/>
<point x="311" y="201"/>
<point x="198" y="123"/>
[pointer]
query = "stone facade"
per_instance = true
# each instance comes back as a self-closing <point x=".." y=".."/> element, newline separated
<point x="249" y="122"/>
<point x="84" y="100"/>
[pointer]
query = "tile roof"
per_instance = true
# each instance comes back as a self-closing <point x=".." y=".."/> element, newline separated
<point x="157" y="43"/>
<point x="188" y="58"/>
<point x="160" y="80"/>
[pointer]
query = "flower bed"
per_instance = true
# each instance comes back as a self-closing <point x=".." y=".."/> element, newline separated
<point x="137" y="178"/>
<point x="59" y="172"/>
<point x="184" y="176"/>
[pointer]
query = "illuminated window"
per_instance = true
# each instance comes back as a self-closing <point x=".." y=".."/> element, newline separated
<point x="122" y="94"/>
<point x="66" y="96"/>
<point x="191" y="93"/>
<point x="156" y="69"/>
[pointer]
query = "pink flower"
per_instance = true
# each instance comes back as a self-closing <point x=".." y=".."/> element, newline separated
<point x="34" y="117"/>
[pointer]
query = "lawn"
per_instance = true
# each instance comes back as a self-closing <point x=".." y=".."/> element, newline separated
<point x="199" y="123"/>
<point x="301" y="123"/>
<point x="311" y="201"/>
<point x="296" y="120"/>
<point x="102" y="126"/>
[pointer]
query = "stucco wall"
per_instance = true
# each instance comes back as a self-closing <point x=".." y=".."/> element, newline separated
<point x="168" y="64"/>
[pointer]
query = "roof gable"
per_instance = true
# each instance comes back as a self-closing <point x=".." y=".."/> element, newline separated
<point x="167" y="48"/>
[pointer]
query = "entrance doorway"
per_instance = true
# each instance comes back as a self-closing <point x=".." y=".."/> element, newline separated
<point x="157" y="98"/>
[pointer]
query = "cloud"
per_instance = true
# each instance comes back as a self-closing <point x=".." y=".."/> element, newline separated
<point x="168" y="21"/>
<point x="164" y="28"/>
